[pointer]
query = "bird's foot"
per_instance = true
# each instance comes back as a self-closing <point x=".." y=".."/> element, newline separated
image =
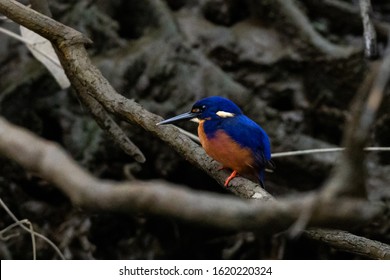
<point x="234" y="174"/>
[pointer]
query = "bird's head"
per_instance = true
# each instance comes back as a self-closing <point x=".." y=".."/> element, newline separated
<point x="209" y="108"/>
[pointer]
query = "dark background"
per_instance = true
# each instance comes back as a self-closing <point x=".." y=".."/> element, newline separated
<point x="166" y="55"/>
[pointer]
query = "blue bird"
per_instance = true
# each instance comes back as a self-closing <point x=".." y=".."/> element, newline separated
<point x="230" y="137"/>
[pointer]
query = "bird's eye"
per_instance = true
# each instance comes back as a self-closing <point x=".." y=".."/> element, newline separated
<point x="196" y="110"/>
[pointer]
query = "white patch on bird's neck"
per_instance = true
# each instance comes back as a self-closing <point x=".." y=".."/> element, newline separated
<point x="196" y="120"/>
<point x="224" y="114"/>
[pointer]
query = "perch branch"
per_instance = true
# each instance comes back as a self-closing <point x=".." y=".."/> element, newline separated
<point x="230" y="213"/>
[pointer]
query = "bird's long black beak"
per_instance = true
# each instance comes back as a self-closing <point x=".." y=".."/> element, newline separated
<point x="182" y="117"/>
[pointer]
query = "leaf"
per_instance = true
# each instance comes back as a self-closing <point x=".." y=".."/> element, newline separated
<point x="44" y="52"/>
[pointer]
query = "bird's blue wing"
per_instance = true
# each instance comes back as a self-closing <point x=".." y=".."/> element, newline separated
<point x="249" y="134"/>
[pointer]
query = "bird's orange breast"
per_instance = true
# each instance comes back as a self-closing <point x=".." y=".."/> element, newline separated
<point x="225" y="150"/>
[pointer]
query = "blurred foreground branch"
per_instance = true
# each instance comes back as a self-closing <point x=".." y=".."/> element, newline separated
<point x="230" y="213"/>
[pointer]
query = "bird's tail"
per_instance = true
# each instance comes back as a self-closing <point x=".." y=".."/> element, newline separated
<point x="261" y="177"/>
<point x="269" y="167"/>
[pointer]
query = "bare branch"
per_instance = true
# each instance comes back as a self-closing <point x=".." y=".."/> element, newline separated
<point x="325" y="150"/>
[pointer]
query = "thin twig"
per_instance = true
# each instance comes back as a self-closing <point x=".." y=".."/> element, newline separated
<point x="9" y="228"/>
<point x="326" y="150"/>
<point x="33" y="243"/>
<point x="31" y="231"/>
<point x="195" y="138"/>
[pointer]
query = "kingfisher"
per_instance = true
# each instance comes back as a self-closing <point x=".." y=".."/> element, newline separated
<point x="230" y="137"/>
